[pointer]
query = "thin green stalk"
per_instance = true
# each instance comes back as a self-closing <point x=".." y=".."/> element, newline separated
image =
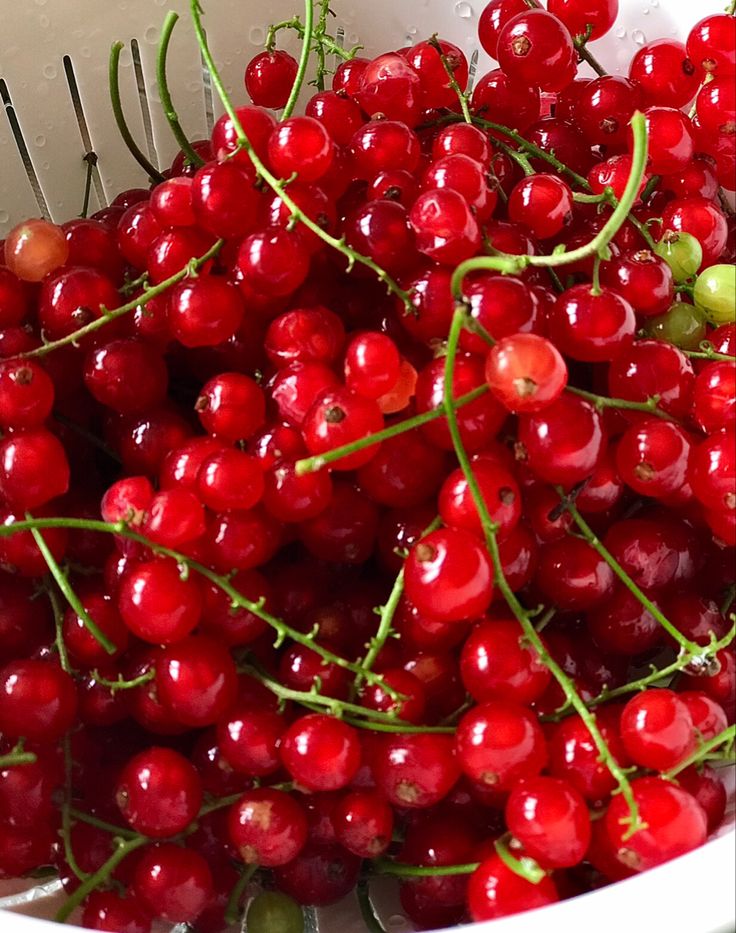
<point x="402" y="870"/>
<point x="167" y="103"/>
<point x="399" y="727"/>
<point x="595" y="288"/>
<point x="90" y="158"/>
<point x="533" y="638"/>
<point x="17" y="756"/>
<point x="283" y="630"/>
<point x="117" y="109"/>
<point x="460" y="94"/>
<point x="103" y="873"/>
<point x="599" y="547"/>
<point x="521" y="160"/>
<point x="598" y="245"/>
<point x="121" y="684"/>
<point x="81" y="817"/>
<point x="523" y="866"/>
<point x="279" y="186"/>
<point x="233" y="909"/>
<point x="294" y="23"/>
<point x="728" y="735"/>
<point x="312" y="464"/>
<point x="71" y="597"/>
<point x="303" y="59"/>
<point x="108" y="316"/>
<point x="707" y="352"/>
<point x="370" y="919"/>
<point x="650" y="407"/>
<point x="584" y="53"/>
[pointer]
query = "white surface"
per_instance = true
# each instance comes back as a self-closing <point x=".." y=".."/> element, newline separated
<point x="693" y="894"/>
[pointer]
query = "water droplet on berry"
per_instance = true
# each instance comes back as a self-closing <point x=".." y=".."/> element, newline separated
<point x="463" y="10"/>
<point x="638" y="36"/>
<point x="257" y="35"/>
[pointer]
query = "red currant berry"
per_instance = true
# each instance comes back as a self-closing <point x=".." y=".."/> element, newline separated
<point x="657" y="729"/>
<point x="269" y="78"/>
<point x="550" y="819"/>
<point x="267" y="827"/>
<point x="159" y="792"/>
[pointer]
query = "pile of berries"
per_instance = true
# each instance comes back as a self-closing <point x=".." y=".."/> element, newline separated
<point x="368" y="491"/>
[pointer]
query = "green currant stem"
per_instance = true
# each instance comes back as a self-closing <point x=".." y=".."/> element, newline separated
<point x="238" y="601"/>
<point x="312" y="464"/>
<point x="163" y="88"/>
<point x="649" y="188"/>
<point x="707" y="352"/>
<point x="81" y="817"/>
<point x="402" y="870"/>
<point x="117" y="109"/>
<point x="587" y="56"/>
<point x="233" y="909"/>
<point x="371" y="922"/>
<point x="66" y="817"/>
<point x="524" y="866"/>
<point x="294" y="23"/>
<point x="398" y="726"/>
<point x="219" y="804"/>
<point x="320" y="32"/>
<point x="533" y="638"/>
<point x="461" y="95"/>
<point x="595" y="288"/>
<point x="17" y="756"/>
<point x="728" y="735"/>
<point x="303" y="59"/>
<point x="58" y="638"/>
<point x="651" y="406"/>
<point x="521" y="160"/>
<point x="71" y="597"/>
<point x="597" y="545"/>
<point x="598" y="245"/>
<point x="279" y="186"/>
<point x="91" y="160"/>
<point x="107" y="316"/>
<point x="602" y="198"/>
<point x="123" y="850"/>
<point x="120" y="684"/>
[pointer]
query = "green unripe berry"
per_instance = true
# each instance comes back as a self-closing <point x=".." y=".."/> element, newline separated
<point x="273" y="912"/>
<point x="682" y="253"/>
<point x="715" y="293"/>
<point x="683" y="325"/>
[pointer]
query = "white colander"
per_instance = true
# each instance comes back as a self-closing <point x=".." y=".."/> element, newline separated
<point x="56" y="110"/>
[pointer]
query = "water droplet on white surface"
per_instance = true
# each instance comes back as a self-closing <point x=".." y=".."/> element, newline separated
<point x="49" y="71"/>
<point x="463" y="10"/>
<point x="654" y="3"/>
<point x="645" y="11"/>
<point x="40" y="140"/>
<point x="397" y="924"/>
<point x="620" y="32"/>
<point x="85" y="51"/>
<point x="151" y="34"/>
<point x="45" y="166"/>
<point x="411" y="30"/>
<point x="4" y="217"/>
<point x="638" y="36"/>
<point x="257" y="35"/>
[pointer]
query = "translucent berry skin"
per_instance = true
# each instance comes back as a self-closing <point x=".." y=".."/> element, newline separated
<point x="320" y="875"/>
<point x="496" y="891"/>
<point x="493" y="18"/>
<point x="573" y="575"/>
<point x="273" y="262"/>
<point x="437" y="91"/>
<point x="712" y="471"/>
<point x="204" y="311"/>
<point x="535" y="48"/>
<point x="415" y="770"/>
<point x="389" y="85"/>
<point x="196" y="681"/>
<point x="499" y="490"/>
<point x="269" y="77"/>
<point x="574" y="755"/>
<point x="340" y="115"/>
<point x="364" y="823"/>
<point x="380" y="230"/>
<point x="156" y="604"/>
<point x="651" y="367"/>
<point x="448" y="576"/>
<point x="653" y="458"/>
<point x="159" y="792"/>
<point x="543" y="204"/>
<point x="126" y="375"/>
<point x="499" y="98"/>
<point x="550" y="819"/>
<point x="578" y="15"/>
<point x="714" y="396"/>
<point x="709" y="717"/>
<point x="35" y="248"/>
<point x="499" y="743"/>
<point x="494" y="665"/>
<point x="33" y="469"/>
<point x="26" y="394"/>
<point x="665" y="74"/>
<point x="231" y="406"/>
<point x="705" y="785"/>
<point x="643" y="279"/>
<point x="588" y="327"/>
<point x="105" y="910"/>
<point x="446" y="230"/>
<point x="321" y="753"/>
<point x="526" y="372"/>
<point x="267" y="827"/>
<point x="675" y="824"/>
<point x="657" y="729"/>
<point x="225" y="201"/>
<point x="249" y="739"/>
<point x="603" y="108"/>
<point x="564" y="442"/>
<point x="704" y="220"/>
<point x="39" y="701"/>
<point x="384" y="146"/>
<point x="711" y="45"/>
<point x="173" y="882"/>
<point x="340" y="417"/>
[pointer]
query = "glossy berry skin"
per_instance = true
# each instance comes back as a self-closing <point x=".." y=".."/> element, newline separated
<point x="665" y="74"/>
<point x="267" y="827"/>
<point x="340" y="417"/>
<point x="499" y="490"/>
<point x="87" y="652"/>
<point x="436" y="90"/>
<point x="269" y="78"/>
<point x="196" y="681"/>
<point x="589" y="327"/>
<point x="499" y="98"/>
<point x="578" y="15"/>
<point x="321" y="753"/>
<point x="675" y="824"/>
<point x="33" y="469"/>
<point x="35" y="248"/>
<point x="301" y="145"/>
<point x="711" y="45"/>
<point x="231" y="406"/>
<point x="156" y="604"/>
<point x="574" y="755"/>
<point x="389" y="85"/>
<point x="712" y="471"/>
<point x="249" y="739"/>
<point x="714" y="396"/>
<point x="657" y="729"/>
<point x="543" y="204"/>
<point x="230" y="479"/>
<point x="364" y="823"/>
<point x="503" y="305"/>
<point x="643" y="279"/>
<point x="448" y="576"/>
<point x="550" y="819"/>
<point x="494" y="891"/>
<point x="564" y="442"/>
<point x="173" y="882"/>
<point x="26" y="395"/>
<point x="703" y="219"/>
<point x="705" y="785"/>
<point x="380" y="231"/>
<point x="105" y="910"/>
<point x="573" y="575"/>
<point x="446" y="230"/>
<point x="159" y="792"/>
<point x="536" y="49"/>
<point x="653" y="457"/>
<point x="415" y="770"/>
<point x="493" y="18"/>
<point x="651" y="367"/>
<point x="39" y="701"/>
<point x="305" y="335"/>
<point x="499" y="743"/>
<point x="672" y="145"/>
<point x="127" y="376"/>
<point x="205" y="311"/>
<point x="709" y="717"/>
<point x="384" y="146"/>
<point x="495" y="665"/>
<point x="526" y="372"/>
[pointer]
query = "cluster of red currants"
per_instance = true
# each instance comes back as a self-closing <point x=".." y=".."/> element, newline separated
<point x="191" y="382"/>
